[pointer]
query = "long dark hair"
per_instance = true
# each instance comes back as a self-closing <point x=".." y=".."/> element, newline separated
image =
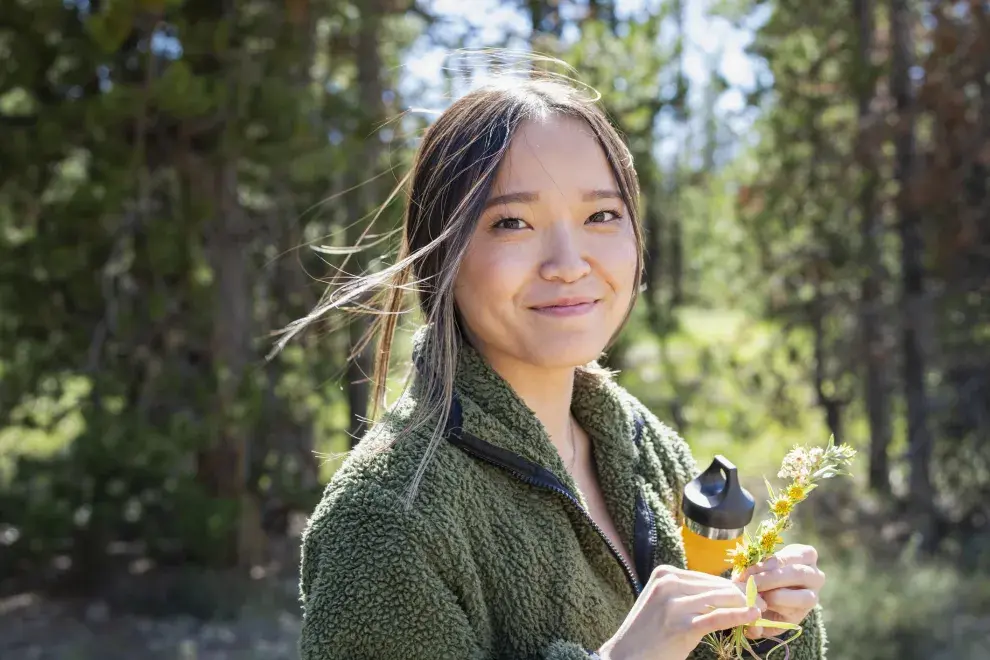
<point x="452" y="176"/>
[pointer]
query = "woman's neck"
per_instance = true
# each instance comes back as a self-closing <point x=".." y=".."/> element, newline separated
<point x="548" y="393"/>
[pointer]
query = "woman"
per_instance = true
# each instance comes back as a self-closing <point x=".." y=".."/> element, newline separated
<point x="515" y="502"/>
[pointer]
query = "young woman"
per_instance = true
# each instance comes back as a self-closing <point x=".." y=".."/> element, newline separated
<point x="515" y="502"/>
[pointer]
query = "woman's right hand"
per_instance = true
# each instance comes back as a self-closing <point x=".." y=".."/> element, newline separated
<point x="675" y="610"/>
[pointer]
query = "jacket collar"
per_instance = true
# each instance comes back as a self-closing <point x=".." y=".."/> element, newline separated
<point x="490" y="410"/>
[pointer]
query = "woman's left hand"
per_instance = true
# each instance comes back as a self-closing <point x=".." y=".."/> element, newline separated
<point x="790" y="582"/>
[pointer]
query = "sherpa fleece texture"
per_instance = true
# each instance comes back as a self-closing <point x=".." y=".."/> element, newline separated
<point x="485" y="565"/>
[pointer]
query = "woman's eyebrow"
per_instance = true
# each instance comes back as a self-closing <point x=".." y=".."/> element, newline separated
<point x="524" y="197"/>
<point x="513" y="198"/>
<point x="592" y="195"/>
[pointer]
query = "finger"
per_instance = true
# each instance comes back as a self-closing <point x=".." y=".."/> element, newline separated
<point x="683" y="573"/>
<point x="741" y="587"/>
<point x="723" y="618"/>
<point x="799" y="576"/>
<point x="685" y="581"/>
<point x="729" y="597"/>
<point x="789" y="555"/>
<point x="754" y="632"/>
<point x="769" y="564"/>
<point x="784" y="601"/>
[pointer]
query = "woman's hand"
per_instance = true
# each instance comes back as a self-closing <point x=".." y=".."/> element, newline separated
<point x="790" y="582"/>
<point x="675" y="610"/>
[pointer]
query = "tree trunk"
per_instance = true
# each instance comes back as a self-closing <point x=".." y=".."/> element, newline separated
<point x="290" y="432"/>
<point x="913" y="273"/>
<point x="370" y="89"/>
<point x="871" y="230"/>
<point x="831" y="404"/>
<point x="224" y="467"/>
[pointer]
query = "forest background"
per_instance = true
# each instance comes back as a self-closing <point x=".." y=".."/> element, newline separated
<point x="177" y="179"/>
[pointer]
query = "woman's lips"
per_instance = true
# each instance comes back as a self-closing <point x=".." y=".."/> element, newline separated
<point x="576" y="309"/>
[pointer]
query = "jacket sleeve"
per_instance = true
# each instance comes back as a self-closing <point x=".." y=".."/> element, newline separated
<point x="372" y="589"/>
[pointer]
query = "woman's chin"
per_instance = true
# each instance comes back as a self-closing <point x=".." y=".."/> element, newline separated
<point x="563" y="355"/>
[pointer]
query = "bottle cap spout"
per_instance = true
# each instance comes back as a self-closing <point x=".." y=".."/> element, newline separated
<point x="715" y="499"/>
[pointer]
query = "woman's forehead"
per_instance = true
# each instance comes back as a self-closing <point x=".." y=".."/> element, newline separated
<point x="554" y="153"/>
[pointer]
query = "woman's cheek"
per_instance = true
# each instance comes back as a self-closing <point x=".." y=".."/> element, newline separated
<point x="619" y="260"/>
<point x="492" y="274"/>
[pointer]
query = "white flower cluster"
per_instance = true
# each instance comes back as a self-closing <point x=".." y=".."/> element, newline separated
<point x="797" y="465"/>
<point x="803" y="465"/>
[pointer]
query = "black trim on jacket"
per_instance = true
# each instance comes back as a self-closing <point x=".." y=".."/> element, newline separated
<point x="644" y="528"/>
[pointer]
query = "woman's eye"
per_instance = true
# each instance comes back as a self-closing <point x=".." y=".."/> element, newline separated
<point x="602" y="216"/>
<point x="509" y="223"/>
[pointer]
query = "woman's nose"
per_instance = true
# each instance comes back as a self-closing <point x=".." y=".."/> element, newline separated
<point x="563" y="255"/>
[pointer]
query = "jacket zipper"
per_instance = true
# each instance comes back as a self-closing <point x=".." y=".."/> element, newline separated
<point x="630" y="574"/>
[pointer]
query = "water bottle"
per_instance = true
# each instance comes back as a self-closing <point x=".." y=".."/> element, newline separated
<point x="716" y="511"/>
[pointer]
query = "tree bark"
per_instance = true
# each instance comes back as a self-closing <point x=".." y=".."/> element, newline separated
<point x="831" y="403"/>
<point x="223" y="467"/>
<point x="370" y="89"/>
<point x="874" y="347"/>
<point x="913" y="273"/>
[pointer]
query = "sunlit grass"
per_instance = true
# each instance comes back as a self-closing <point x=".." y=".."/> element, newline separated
<point x="739" y="394"/>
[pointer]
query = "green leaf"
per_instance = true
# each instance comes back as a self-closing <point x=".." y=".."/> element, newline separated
<point x="751" y="592"/>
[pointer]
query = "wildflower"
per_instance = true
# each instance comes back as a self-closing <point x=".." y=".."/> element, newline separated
<point x="796" y="465"/>
<point x="738" y="557"/>
<point x="795" y="492"/>
<point x="768" y="537"/>
<point x="770" y="540"/>
<point x="804" y="467"/>
<point x="781" y="506"/>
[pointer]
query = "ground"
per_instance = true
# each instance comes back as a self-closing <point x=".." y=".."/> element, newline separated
<point x="265" y="625"/>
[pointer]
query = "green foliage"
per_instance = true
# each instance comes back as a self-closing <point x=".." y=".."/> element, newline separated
<point x="118" y="481"/>
<point x="166" y="165"/>
<point x="181" y="93"/>
<point x="905" y="609"/>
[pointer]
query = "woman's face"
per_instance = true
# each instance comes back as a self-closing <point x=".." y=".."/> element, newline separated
<point x="550" y="270"/>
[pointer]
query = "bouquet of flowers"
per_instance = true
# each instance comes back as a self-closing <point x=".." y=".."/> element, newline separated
<point x="804" y="468"/>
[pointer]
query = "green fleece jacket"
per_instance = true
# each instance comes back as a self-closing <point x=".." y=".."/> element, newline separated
<point x="498" y="557"/>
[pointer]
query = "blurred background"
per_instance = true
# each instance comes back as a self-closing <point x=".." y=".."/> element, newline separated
<point x="177" y="177"/>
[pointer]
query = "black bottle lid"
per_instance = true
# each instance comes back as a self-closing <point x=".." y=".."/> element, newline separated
<point x="715" y="499"/>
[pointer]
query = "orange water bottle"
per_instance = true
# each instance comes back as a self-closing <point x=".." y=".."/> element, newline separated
<point x="716" y="511"/>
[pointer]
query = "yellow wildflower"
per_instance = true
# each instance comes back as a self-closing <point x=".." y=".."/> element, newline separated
<point x="738" y="558"/>
<point x="794" y="493"/>
<point x="769" y="540"/>
<point x="781" y="506"/>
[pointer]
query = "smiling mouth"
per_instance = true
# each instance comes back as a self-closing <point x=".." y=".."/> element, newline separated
<point x="567" y="308"/>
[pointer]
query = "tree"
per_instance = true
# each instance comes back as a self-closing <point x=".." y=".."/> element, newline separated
<point x="875" y="350"/>
<point x="912" y="267"/>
